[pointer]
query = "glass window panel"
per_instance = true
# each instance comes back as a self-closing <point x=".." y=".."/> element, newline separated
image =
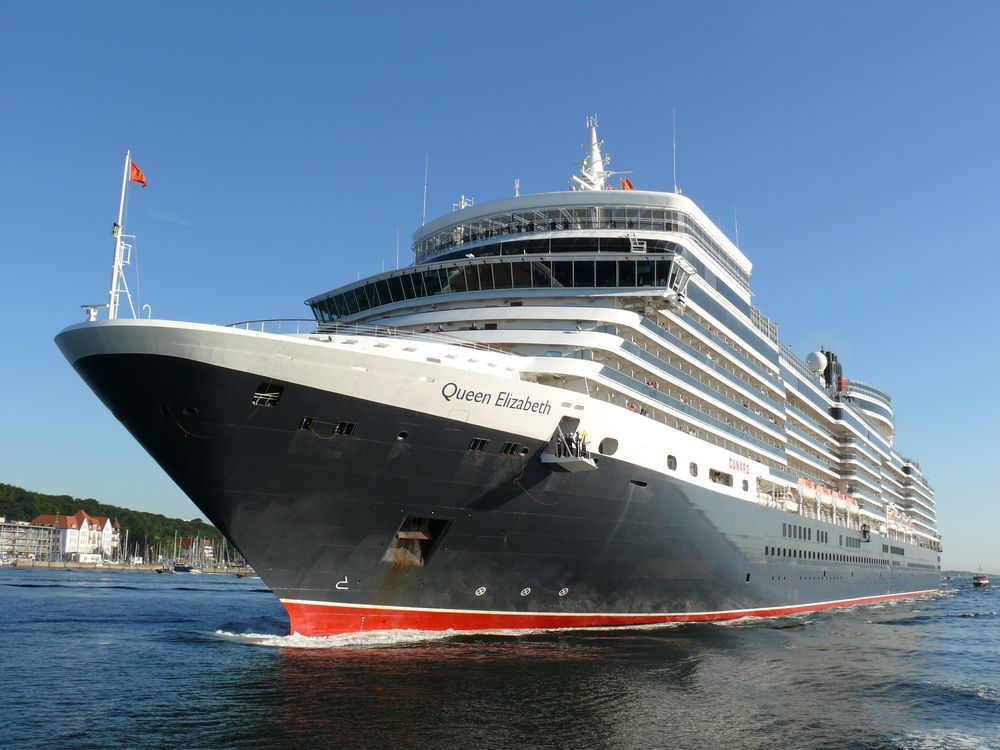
<point x="562" y="273"/>
<point x="471" y="279"/>
<point x="501" y="275"/>
<point x="583" y="273"/>
<point x="383" y="292"/>
<point x="455" y="280"/>
<point x="521" y="272"/>
<point x="607" y="273"/>
<point x="626" y="273"/>
<point x="486" y="277"/>
<point x="644" y="273"/>
<point x="662" y="272"/>
<point x="366" y="297"/>
<point x="396" y="288"/>
<point x="352" y="301"/>
<point x="432" y="282"/>
<point x="541" y="275"/>
<point x="711" y="279"/>
<point x="417" y="281"/>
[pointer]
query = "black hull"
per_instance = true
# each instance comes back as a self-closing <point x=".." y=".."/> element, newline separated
<point x="317" y="513"/>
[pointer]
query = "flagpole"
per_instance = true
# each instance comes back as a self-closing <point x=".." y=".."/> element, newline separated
<point x="116" y="269"/>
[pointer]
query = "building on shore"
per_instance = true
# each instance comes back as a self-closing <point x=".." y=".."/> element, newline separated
<point x="22" y="540"/>
<point x="81" y="537"/>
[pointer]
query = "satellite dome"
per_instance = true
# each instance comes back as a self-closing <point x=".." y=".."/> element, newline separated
<point x="816" y="362"/>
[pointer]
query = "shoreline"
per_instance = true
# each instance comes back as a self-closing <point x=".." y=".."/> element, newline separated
<point x="106" y="567"/>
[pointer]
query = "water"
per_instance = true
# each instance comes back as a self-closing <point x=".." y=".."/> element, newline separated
<point x="138" y="660"/>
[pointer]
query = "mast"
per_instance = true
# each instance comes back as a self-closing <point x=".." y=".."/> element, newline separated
<point x="593" y="171"/>
<point x="116" y="269"/>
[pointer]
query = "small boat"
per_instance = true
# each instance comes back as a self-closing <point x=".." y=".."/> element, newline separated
<point x="980" y="580"/>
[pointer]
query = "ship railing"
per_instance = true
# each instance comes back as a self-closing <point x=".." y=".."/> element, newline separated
<point x="313" y="327"/>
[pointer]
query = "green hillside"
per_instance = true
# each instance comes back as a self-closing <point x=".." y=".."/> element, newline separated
<point x="144" y="529"/>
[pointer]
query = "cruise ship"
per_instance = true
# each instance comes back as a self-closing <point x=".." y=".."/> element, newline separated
<point x="567" y="412"/>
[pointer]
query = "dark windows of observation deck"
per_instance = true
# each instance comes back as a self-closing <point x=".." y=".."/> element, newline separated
<point x="562" y="273"/>
<point x="583" y="273"/>
<point x="522" y="273"/>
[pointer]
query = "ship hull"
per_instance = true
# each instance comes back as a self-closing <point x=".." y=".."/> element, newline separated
<point x="396" y="523"/>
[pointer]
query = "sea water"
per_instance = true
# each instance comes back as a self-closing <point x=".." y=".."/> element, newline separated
<point x="94" y="659"/>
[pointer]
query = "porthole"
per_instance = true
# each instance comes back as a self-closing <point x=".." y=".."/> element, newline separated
<point x="672" y="463"/>
<point x="693" y="468"/>
<point x="403" y="435"/>
<point x="190" y="411"/>
<point x="746" y="485"/>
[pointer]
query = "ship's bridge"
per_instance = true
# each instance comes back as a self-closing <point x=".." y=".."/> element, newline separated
<point x="578" y="221"/>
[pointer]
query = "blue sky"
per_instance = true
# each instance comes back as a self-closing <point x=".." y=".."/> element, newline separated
<point x="858" y="143"/>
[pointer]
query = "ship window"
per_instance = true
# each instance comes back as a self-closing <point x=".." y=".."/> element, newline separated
<point x="432" y="281"/>
<point x="501" y="276"/>
<point x="472" y="278"/>
<point x="662" y="272"/>
<point x="478" y="445"/>
<point x="267" y="394"/>
<point x="720" y="477"/>
<point x="509" y="449"/>
<point x="417" y="280"/>
<point x="562" y="273"/>
<point x="784" y="529"/>
<point x="344" y="428"/>
<point x="583" y="273"/>
<point x="384" y="296"/>
<point x="626" y="273"/>
<point x="606" y="273"/>
<point x="672" y="462"/>
<point x="306" y="423"/>
<point x="367" y="297"/>
<point x="395" y="288"/>
<point x="521" y="273"/>
<point x="746" y="485"/>
<point x="644" y="273"/>
<point x="693" y="468"/>
<point x="608" y="446"/>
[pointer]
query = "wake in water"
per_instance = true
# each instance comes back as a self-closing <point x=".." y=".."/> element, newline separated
<point x="391" y="638"/>
<point x="369" y="639"/>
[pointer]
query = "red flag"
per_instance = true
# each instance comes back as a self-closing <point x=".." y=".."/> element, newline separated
<point x="628" y="184"/>
<point x="137" y="175"/>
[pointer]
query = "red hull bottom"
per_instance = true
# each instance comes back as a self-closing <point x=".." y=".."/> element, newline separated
<point x="318" y="618"/>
